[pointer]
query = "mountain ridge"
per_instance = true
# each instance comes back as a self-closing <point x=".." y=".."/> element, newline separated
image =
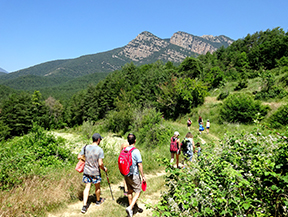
<point x="144" y="49"/>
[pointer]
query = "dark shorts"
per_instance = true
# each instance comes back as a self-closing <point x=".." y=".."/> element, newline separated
<point x="133" y="183"/>
<point x="91" y="179"/>
<point x="207" y="127"/>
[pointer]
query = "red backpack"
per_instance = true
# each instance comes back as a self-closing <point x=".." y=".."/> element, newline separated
<point x="125" y="161"/>
<point x="173" y="145"/>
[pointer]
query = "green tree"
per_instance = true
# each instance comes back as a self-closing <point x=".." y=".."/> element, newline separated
<point x="191" y="68"/>
<point x="241" y="108"/>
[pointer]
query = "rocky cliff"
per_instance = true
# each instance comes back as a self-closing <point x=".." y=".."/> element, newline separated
<point x="147" y="45"/>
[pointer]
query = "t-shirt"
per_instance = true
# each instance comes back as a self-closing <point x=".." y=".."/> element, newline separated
<point x="92" y="154"/>
<point x="136" y="158"/>
<point x="189" y="122"/>
<point x="208" y="124"/>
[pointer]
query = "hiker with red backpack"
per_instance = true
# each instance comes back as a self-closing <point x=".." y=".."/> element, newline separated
<point x="91" y="175"/>
<point x="175" y="148"/>
<point x="130" y="164"/>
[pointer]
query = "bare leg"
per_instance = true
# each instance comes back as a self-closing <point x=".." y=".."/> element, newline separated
<point x="132" y="200"/>
<point x="86" y="193"/>
<point x="177" y="160"/>
<point x="97" y="191"/>
<point x="172" y="157"/>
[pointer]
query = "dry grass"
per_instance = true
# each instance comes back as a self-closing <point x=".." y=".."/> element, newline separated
<point x="38" y="195"/>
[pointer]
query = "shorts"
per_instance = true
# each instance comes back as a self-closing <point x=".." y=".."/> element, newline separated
<point x="207" y="127"/>
<point x="90" y="178"/>
<point x="133" y="183"/>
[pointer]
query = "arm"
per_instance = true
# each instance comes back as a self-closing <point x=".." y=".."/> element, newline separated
<point x="101" y="165"/>
<point x="141" y="171"/>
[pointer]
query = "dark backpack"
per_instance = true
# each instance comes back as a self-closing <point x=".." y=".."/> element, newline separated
<point x="186" y="145"/>
<point x="125" y="161"/>
<point x="173" y="145"/>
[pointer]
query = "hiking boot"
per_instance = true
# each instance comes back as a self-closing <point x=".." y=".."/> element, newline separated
<point x="98" y="203"/>
<point x="136" y="209"/>
<point x="84" y="209"/>
<point x="129" y="211"/>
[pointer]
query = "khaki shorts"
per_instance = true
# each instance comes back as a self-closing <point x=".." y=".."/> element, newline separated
<point x="133" y="183"/>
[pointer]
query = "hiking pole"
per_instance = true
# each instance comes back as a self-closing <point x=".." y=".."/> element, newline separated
<point x="109" y="185"/>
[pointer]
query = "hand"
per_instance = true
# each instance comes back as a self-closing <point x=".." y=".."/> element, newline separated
<point x="143" y="178"/>
<point x="105" y="169"/>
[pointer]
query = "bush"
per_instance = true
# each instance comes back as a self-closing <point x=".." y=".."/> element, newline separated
<point x="247" y="176"/>
<point x="33" y="154"/>
<point x="280" y="117"/>
<point x="241" y="108"/>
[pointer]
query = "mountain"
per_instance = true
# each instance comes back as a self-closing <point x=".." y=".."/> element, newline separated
<point x="3" y="71"/>
<point x="144" y="49"/>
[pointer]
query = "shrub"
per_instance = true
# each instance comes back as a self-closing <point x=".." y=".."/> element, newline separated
<point x="241" y="108"/>
<point x="247" y="176"/>
<point x="280" y="117"/>
<point x="33" y="154"/>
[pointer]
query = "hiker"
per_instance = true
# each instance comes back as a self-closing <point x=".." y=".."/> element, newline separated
<point x="189" y="122"/>
<point x="198" y="149"/>
<point x="207" y="126"/>
<point x="175" y="148"/>
<point x="201" y="128"/>
<point x="123" y="146"/>
<point x="133" y="179"/>
<point x="188" y="147"/>
<point x="93" y="162"/>
<point x="200" y="120"/>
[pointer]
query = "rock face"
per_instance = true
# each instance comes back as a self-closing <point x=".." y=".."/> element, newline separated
<point x="200" y="45"/>
<point x="146" y="46"/>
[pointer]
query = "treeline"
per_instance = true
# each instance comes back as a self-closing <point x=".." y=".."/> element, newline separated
<point x="172" y="90"/>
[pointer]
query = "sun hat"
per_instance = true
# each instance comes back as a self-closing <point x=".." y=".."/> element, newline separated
<point x="177" y="133"/>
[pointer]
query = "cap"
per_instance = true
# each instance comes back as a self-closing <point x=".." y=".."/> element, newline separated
<point x="96" y="136"/>
<point x="176" y="133"/>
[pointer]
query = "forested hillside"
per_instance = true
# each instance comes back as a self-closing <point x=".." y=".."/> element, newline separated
<point x="172" y="90"/>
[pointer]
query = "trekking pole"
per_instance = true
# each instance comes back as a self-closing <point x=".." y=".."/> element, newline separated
<point x="109" y="185"/>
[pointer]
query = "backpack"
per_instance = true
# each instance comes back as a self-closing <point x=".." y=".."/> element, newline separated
<point x="186" y="145"/>
<point x="173" y="145"/>
<point x="125" y="161"/>
<point x="189" y="122"/>
<point x="201" y="128"/>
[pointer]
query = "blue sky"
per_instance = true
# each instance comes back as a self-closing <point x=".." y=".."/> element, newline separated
<point x="37" y="31"/>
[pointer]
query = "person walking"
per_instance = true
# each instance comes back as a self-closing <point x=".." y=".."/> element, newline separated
<point x="123" y="146"/>
<point x="94" y="156"/>
<point x="175" y="148"/>
<point x="207" y="126"/>
<point x="133" y="179"/>
<point x="188" y="147"/>
<point x="200" y="120"/>
<point x="189" y="122"/>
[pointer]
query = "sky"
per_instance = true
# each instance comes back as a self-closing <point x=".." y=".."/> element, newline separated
<point x="38" y="31"/>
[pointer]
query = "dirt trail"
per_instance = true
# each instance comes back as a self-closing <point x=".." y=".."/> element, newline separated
<point x="119" y="203"/>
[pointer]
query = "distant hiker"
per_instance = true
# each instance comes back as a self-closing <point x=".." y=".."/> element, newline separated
<point x="93" y="162"/>
<point x="133" y="179"/>
<point x="175" y="148"/>
<point x="123" y="146"/>
<point x="207" y="126"/>
<point x="201" y="128"/>
<point x="198" y="149"/>
<point x="189" y="122"/>
<point x="188" y="147"/>
<point x="200" y="120"/>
